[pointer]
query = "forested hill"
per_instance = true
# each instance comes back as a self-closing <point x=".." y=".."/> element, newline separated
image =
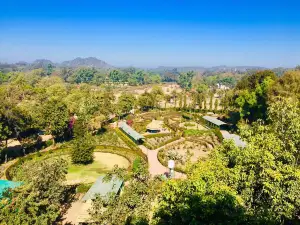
<point x="86" y="62"/>
<point x="43" y="63"/>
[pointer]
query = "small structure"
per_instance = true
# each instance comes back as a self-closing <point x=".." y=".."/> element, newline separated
<point x="214" y="122"/>
<point x="131" y="133"/>
<point x="155" y="126"/>
<point x="101" y="188"/>
<point x="236" y="139"/>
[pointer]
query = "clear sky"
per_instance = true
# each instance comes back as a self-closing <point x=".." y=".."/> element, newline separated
<point x="153" y="33"/>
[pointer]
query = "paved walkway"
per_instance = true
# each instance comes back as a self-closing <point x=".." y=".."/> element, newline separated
<point x="155" y="167"/>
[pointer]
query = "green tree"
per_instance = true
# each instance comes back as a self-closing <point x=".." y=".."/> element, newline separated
<point x="252" y="95"/>
<point x="82" y="75"/>
<point x="82" y="150"/>
<point x="146" y="101"/>
<point x="216" y="104"/>
<point x="133" y="206"/>
<point x="53" y="116"/>
<point x="185" y="80"/>
<point x="40" y="198"/>
<point x="126" y="102"/>
<point x="49" y="69"/>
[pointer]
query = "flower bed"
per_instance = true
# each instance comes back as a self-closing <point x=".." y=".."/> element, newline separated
<point x="189" y="150"/>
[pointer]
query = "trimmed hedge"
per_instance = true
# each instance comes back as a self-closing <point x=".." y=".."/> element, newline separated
<point x="123" y="152"/>
<point x="218" y="133"/>
<point x="194" y="132"/>
<point x="129" y="154"/>
<point x="157" y="135"/>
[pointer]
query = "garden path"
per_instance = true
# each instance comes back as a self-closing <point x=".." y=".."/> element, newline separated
<point x="155" y="167"/>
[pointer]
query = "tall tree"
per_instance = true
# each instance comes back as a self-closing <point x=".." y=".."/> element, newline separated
<point x="185" y="80"/>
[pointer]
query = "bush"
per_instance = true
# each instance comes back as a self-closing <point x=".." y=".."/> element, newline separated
<point x="83" y="188"/>
<point x="193" y="132"/>
<point x="82" y="151"/>
<point x="136" y="164"/>
<point x="49" y="143"/>
<point x="218" y="133"/>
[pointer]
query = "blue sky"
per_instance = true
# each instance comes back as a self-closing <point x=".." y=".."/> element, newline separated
<point x="153" y="33"/>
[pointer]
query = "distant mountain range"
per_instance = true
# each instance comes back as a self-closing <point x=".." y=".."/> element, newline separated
<point x="75" y="63"/>
<point x="100" y="64"/>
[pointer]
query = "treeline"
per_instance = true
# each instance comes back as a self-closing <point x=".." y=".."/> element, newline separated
<point x="254" y="93"/>
<point x="131" y="76"/>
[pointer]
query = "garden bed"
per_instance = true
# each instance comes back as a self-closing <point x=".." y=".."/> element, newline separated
<point x="189" y="150"/>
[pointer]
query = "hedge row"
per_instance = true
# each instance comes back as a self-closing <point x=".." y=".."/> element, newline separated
<point x="30" y="156"/>
<point x="218" y="133"/>
<point x="157" y="135"/>
<point x="129" y="154"/>
<point x="122" y="152"/>
<point x="175" y="138"/>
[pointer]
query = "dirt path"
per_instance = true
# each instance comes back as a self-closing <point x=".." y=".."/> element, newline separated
<point x="155" y="167"/>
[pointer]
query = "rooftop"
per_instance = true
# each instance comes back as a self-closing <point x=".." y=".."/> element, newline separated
<point x="236" y="138"/>
<point x="102" y="188"/>
<point x="214" y="120"/>
<point x="131" y="132"/>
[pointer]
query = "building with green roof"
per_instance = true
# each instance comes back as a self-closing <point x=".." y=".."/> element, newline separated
<point x="131" y="133"/>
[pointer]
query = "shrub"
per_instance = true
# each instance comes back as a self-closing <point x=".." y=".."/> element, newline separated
<point x="83" y="188"/>
<point x="136" y="164"/>
<point x="49" y="143"/>
<point x="218" y="133"/>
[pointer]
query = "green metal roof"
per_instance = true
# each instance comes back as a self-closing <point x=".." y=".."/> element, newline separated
<point x="103" y="188"/>
<point x="214" y="120"/>
<point x="131" y="132"/>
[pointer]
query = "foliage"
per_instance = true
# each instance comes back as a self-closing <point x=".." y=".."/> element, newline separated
<point x="82" y="150"/>
<point x="83" y="188"/>
<point x="252" y="95"/>
<point x="185" y="80"/>
<point x="38" y="200"/>
<point x="133" y="205"/>
<point x="258" y="184"/>
<point x="126" y="102"/>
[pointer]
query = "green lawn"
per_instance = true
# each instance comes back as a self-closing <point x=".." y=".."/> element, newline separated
<point x="103" y="162"/>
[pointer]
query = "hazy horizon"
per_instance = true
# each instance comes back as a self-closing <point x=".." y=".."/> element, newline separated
<point x="151" y="34"/>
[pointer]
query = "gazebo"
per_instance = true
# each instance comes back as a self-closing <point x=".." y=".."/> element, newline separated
<point x="155" y="126"/>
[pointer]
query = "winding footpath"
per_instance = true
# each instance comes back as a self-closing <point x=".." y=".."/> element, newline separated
<point x="155" y="167"/>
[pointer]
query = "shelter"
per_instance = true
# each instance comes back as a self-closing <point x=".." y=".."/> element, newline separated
<point x="131" y="133"/>
<point x="102" y="188"/>
<point x="155" y="126"/>
<point x="213" y="122"/>
<point x="236" y="139"/>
